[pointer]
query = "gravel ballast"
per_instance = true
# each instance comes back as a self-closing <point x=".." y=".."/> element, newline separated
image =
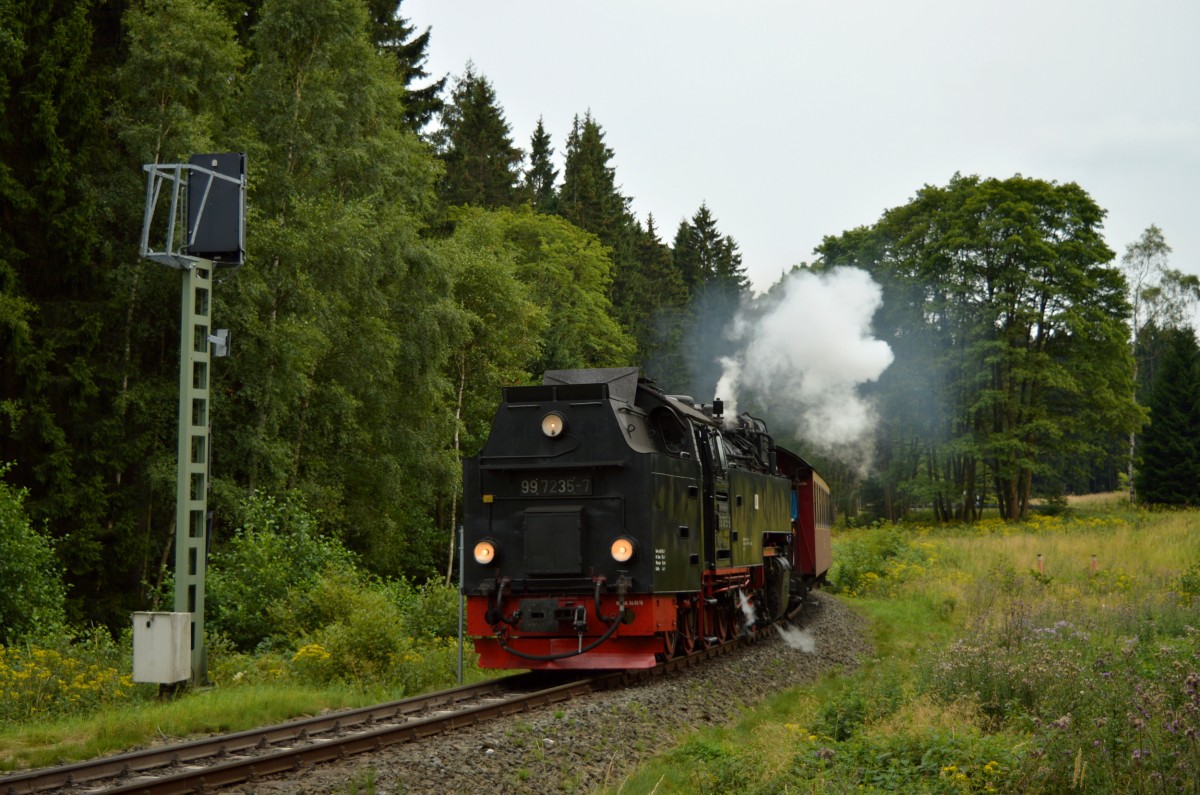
<point x="598" y="739"/>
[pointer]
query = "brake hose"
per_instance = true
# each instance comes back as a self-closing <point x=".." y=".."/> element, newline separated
<point x="616" y="621"/>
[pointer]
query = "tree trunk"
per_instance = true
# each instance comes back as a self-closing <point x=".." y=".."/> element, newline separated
<point x="1026" y="490"/>
<point x="1129" y="465"/>
<point x="970" y="514"/>
<point x="162" y="564"/>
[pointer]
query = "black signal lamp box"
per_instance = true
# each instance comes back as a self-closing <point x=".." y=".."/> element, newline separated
<point x="217" y="208"/>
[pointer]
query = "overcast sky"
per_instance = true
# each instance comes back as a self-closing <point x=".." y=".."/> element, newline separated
<point x="794" y="120"/>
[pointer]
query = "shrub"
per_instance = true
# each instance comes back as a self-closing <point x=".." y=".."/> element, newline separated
<point x="61" y="676"/>
<point x="877" y="560"/>
<point x="1188" y="584"/>
<point x="33" y="595"/>
<point x="297" y="600"/>
<point x="430" y="609"/>
<point x="839" y="718"/>
<point x="351" y="629"/>
<point x="278" y="548"/>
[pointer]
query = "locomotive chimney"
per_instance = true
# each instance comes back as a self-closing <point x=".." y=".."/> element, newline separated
<point x="718" y="408"/>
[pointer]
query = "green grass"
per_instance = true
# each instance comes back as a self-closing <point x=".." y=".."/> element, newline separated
<point x="990" y="675"/>
<point x="138" y="725"/>
<point x="747" y="754"/>
<point x="69" y="698"/>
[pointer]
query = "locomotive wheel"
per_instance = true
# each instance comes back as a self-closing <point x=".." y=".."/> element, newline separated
<point x="722" y="623"/>
<point x="689" y="632"/>
<point x="670" y="645"/>
<point x="710" y="626"/>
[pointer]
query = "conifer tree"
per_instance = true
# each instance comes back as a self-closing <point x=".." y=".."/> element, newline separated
<point x="705" y="257"/>
<point x="1169" y="449"/>
<point x="475" y="144"/>
<point x="57" y="312"/>
<point x="589" y="197"/>
<point x="710" y="267"/>
<point x="654" y="305"/>
<point x="1160" y="297"/>
<point x="395" y="34"/>
<point x="541" y="175"/>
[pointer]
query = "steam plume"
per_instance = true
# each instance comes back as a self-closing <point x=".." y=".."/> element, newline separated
<point x="807" y="353"/>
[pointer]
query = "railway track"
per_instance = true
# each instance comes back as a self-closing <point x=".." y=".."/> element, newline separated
<point x="205" y="765"/>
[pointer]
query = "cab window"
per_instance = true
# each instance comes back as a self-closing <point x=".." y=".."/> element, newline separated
<point x="674" y="436"/>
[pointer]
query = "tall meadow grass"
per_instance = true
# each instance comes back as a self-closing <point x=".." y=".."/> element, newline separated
<point x="996" y="670"/>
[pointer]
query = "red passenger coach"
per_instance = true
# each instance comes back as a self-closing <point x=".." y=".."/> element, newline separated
<point x="808" y="549"/>
<point x="813" y="523"/>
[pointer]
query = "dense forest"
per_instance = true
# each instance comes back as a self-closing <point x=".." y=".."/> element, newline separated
<point x="407" y="257"/>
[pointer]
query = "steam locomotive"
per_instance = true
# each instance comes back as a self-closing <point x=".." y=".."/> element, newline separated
<point x="608" y="525"/>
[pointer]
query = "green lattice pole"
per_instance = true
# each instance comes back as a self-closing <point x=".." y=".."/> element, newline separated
<point x="191" y="511"/>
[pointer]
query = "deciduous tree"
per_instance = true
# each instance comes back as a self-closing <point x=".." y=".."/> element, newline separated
<point x="1023" y="325"/>
<point x="174" y="95"/>
<point x="568" y="273"/>
<point x="33" y="599"/>
<point x="342" y="321"/>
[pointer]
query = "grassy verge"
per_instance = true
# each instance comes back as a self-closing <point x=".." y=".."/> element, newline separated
<point x="233" y="705"/>
<point x="139" y="725"/>
<point x="340" y="639"/>
<point x="192" y="714"/>
<point x="993" y="674"/>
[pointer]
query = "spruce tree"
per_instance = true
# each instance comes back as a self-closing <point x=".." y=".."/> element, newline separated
<point x="475" y="144"/>
<point x="589" y="197"/>
<point x="710" y="267"/>
<point x="705" y="257"/>
<point x="654" y="305"/>
<point x="56" y="265"/>
<point x="541" y="174"/>
<point x="1169" y="449"/>
<point x="393" y="33"/>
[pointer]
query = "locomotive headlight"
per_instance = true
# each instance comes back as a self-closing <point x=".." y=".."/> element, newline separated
<point x="553" y="424"/>
<point x="485" y="553"/>
<point x="623" y="549"/>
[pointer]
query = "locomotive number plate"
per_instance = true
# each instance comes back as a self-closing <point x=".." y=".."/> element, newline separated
<point x="554" y="487"/>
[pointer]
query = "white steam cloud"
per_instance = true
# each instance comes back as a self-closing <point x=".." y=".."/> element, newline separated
<point x="727" y="386"/>
<point x="800" y="639"/>
<point x="807" y="354"/>
<point x="747" y="608"/>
